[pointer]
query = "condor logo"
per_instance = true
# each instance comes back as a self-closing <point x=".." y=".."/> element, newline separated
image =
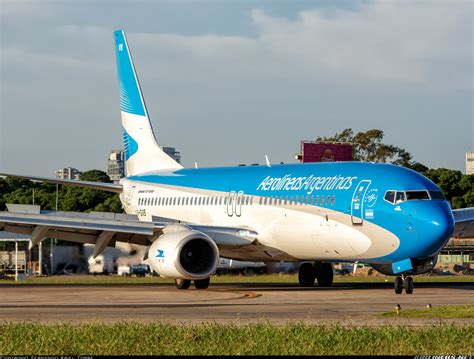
<point x="160" y="254"/>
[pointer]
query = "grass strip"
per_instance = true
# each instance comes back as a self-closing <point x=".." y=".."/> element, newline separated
<point x="215" y="339"/>
<point x="445" y="311"/>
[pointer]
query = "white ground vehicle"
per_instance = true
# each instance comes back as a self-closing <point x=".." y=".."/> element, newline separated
<point x="97" y="265"/>
<point x="123" y="270"/>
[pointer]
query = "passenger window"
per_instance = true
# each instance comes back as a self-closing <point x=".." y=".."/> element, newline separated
<point x="333" y="200"/>
<point x="322" y="200"/>
<point x="390" y="196"/>
<point x="327" y="200"/>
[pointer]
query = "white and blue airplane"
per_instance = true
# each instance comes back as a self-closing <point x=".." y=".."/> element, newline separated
<point x="391" y="217"/>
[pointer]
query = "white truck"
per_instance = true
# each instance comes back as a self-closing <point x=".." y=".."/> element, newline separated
<point x="97" y="265"/>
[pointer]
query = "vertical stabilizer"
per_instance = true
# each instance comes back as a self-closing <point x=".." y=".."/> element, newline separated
<point x="142" y="153"/>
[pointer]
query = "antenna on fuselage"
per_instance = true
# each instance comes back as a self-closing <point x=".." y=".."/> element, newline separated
<point x="268" y="161"/>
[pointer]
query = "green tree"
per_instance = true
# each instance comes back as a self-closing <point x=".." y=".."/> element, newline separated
<point x="95" y="176"/>
<point x="71" y="198"/>
<point x="79" y="199"/>
<point x="368" y="147"/>
<point x="111" y="204"/>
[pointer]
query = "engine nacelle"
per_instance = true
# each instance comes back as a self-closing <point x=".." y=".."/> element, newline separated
<point x="184" y="254"/>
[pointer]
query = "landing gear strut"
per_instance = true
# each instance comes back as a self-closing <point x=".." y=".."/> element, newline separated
<point x="309" y="272"/>
<point x="403" y="282"/>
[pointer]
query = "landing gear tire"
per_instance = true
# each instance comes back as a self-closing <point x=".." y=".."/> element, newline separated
<point x="324" y="274"/>
<point x="306" y="275"/>
<point x="182" y="283"/>
<point x="398" y="285"/>
<point x="202" y="283"/>
<point x="408" y="284"/>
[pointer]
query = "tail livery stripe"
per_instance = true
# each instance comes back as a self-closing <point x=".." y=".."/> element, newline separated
<point x="129" y="144"/>
<point x="131" y="100"/>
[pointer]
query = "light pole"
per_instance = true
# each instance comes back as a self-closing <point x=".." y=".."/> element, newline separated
<point x="57" y="196"/>
<point x="51" y="256"/>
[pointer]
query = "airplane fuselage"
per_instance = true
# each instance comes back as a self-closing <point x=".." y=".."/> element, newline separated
<point x="346" y="211"/>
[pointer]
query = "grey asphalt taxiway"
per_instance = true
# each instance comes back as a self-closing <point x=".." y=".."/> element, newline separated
<point x="347" y="304"/>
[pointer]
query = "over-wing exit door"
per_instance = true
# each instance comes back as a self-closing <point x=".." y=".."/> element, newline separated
<point x="357" y="205"/>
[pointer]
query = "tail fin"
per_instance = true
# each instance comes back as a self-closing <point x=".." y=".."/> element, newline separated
<point x="142" y="153"/>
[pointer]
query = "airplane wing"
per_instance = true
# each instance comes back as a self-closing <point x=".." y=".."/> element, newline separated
<point x="464" y="222"/>
<point x="109" y="187"/>
<point x="106" y="229"/>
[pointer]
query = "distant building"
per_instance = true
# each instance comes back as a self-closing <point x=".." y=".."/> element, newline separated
<point x="116" y="165"/>
<point x="470" y="163"/>
<point x="69" y="173"/>
<point x="171" y="151"/>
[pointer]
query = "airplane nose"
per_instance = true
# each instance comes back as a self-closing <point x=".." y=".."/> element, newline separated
<point x="437" y="228"/>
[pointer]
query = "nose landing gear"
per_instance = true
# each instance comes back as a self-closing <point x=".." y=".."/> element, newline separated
<point x="403" y="282"/>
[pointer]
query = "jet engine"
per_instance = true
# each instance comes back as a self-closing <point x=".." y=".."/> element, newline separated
<point x="184" y="254"/>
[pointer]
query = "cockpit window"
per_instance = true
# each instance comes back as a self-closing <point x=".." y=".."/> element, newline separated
<point x="400" y="197"/>
<point x="390" y="196"/>
<point x="437" y="195"/>
<point x="417" y="195"/>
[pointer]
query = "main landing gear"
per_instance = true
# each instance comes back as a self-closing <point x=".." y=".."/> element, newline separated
<point x="198" y="283"/>
<point x="403" y="282"/>
<point x="309" y="272"/>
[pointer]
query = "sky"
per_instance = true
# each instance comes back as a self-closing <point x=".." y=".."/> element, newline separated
<point x="228" y="81"/>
